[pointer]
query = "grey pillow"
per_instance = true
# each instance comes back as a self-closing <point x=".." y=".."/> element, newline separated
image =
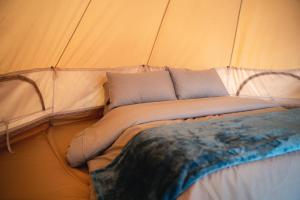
<point x="125" y="89"/>
<point x="197" y="84"/>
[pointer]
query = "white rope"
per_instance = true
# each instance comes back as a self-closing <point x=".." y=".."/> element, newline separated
<point x="7" y="136"/>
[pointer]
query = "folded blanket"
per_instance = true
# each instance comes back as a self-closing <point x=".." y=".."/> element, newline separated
<point x="162" y="162"/>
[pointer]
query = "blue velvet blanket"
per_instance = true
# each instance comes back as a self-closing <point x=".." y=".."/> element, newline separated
<point x="162" y="162"/>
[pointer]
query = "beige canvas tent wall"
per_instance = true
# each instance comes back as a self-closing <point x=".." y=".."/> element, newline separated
<point x="64" y="49"/>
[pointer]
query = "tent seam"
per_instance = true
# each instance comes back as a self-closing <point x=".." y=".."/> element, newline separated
<point x="73" y="33"/>
<point x="157" y="34"/>
<point x="235" y="33"/>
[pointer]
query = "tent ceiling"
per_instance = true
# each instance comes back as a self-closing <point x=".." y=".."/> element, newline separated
<point x="115" y="33"/>
<point x="196" y="33"/>
<point x="268" y="34"/>
<point x="191" y="33"/>
<point x="33" y="33"/>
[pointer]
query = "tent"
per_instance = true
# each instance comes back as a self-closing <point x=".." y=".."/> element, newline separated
<point x="54" y="54"/>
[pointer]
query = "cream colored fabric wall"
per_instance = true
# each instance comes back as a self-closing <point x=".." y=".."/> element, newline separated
<point x="269" y="35"/>
<point x="33" y="33"/>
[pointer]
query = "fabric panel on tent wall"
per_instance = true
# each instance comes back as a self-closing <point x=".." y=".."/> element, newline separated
<point x="25" y="121"/>
<point x="78" y="90"/>
<point x="115" y="33"/>
<point x="19" y="102"/>
<point x="282" y="88"/>
<point x="19" y="98"/>
<point x="74" y="90"/>
<point x="196" y="34"/>
<point x="268" y="35"/>
<point x="83" y="89"/>
<point x="33" y="33"/>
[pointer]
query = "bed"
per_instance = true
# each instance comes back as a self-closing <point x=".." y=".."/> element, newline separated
<point x="123" y="167"/>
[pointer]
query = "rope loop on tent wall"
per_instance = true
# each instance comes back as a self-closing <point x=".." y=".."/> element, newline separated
<point x="54" y="70"/>
<point x="7" y="136"/>
<point x="8" y="139"/>
<point x="264" y="74"/>
<point x="28" y="80"/>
